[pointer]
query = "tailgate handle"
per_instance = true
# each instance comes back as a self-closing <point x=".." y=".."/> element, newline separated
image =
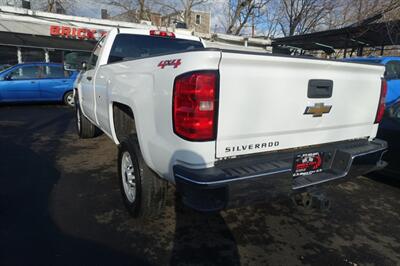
<point x="320" y="88"/>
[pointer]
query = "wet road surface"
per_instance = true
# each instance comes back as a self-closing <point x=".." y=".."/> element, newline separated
<point x="60" y="205"/>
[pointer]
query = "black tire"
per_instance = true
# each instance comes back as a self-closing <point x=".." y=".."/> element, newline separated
<point x="84" y="127"/>
<point x="151" y="190"/>
<point x="68" y="99"/>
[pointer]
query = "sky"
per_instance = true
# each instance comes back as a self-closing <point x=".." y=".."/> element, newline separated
<point x="91" y="8"/>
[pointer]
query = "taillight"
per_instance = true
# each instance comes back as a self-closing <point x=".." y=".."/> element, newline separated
<point x="382" y="105"/>
<point x="162" y="33"/>
<point x="195" y="105"/>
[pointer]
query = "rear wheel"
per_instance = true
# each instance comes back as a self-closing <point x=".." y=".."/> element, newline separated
<point x="84" y="127"/>
<point x="69" y="99"/>
<point x="143" y="192"/>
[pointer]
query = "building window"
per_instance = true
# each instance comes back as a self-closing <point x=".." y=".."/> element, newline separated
<point x="33" y="55"/>
<point x="56" y="56"/>
<point x="198" y="19"/>
<point x="8" y="56"/>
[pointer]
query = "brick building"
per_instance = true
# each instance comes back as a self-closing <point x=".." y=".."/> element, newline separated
<point x="36" y="36"/>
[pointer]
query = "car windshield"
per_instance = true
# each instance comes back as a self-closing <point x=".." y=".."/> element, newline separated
<point x="128" y="46"/>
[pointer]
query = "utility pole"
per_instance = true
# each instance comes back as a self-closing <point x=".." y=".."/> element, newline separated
<point x="253" y="26"/>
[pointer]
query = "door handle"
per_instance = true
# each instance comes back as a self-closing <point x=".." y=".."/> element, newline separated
<point x="33" y="82"/>
<point x="319" y="88"/>
<point x="89" y="78"/>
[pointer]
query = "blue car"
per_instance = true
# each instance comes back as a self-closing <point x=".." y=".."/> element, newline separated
<point x="37" y="82"/>
<point x="392" y="74"/>
<point x="391" y="120"/>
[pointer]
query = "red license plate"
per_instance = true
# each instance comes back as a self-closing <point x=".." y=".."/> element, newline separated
<point x="307" y="164"/>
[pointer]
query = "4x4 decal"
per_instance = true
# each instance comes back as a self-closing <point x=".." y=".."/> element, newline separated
<point x="174" y="62"/>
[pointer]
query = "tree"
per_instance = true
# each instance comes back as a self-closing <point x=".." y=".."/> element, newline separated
<point x="182" y="7"/>
<point x="270" y="20"/>
<point x="348" y="12"/>
<point x="53" y="6"/>
<point x="139" y="8"/>
<point x="241" y="11"/>
<point x="302" y="16"/>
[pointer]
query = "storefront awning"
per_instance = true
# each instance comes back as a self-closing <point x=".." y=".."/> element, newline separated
<point x="27" y="40"/>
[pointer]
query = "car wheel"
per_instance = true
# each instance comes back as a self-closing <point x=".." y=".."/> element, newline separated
<point x="69" y="99"/>
<point x="143" y="192"/>
<point x="84" y="127"/>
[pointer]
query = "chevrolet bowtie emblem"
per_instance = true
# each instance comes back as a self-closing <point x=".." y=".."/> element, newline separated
<point x="318" y="109"/>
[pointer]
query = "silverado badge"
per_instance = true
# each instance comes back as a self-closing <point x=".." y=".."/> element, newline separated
<point x="318" y="109"/>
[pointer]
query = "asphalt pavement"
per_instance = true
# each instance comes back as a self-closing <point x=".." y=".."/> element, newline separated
<point x="60" y="205"/>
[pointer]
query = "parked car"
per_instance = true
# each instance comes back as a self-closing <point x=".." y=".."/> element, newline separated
<point x="37" y="82"/>
<point x="226" y="127"/>
<point x="390" y="126"/>
<point x="391" y="120"/>
<point x="392" y="74"/>
<point x="389" y="131"/>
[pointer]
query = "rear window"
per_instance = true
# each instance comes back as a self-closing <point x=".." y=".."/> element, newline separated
<point x="128" y="46"/>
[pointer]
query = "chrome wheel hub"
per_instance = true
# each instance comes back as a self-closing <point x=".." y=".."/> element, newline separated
<point x="128" y="177"/>
<point x="70" y="99"/>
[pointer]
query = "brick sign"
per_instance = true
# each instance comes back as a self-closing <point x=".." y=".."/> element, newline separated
<point x="76" y="33"/>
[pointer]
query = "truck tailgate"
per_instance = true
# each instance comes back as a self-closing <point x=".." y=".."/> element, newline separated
<point x="263" y="100"/>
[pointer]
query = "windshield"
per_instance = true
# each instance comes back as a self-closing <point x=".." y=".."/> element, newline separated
<point x="129" y="46"/>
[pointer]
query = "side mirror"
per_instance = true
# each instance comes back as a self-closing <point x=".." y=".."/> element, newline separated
<point x="7" y="77"/>
<point x="83" y="66"/>
<point x="67" y="67"/>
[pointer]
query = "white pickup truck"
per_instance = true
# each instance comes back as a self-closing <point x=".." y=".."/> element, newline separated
<point x="226" y="127"/>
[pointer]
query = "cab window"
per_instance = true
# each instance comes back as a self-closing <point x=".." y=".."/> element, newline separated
<point x="130" y="46"/>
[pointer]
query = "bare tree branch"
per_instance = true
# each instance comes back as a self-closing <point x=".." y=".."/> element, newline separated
<point x="302" y="16"/>
<point x="240" y="11"/>
<point x="138" y="8"/>
<point x="182" y="7"/>
<point x="52" y="5"/>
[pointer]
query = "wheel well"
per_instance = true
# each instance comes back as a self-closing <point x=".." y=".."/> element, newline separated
<point x="124" y="121"/>
<point x="65" y="93"/>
